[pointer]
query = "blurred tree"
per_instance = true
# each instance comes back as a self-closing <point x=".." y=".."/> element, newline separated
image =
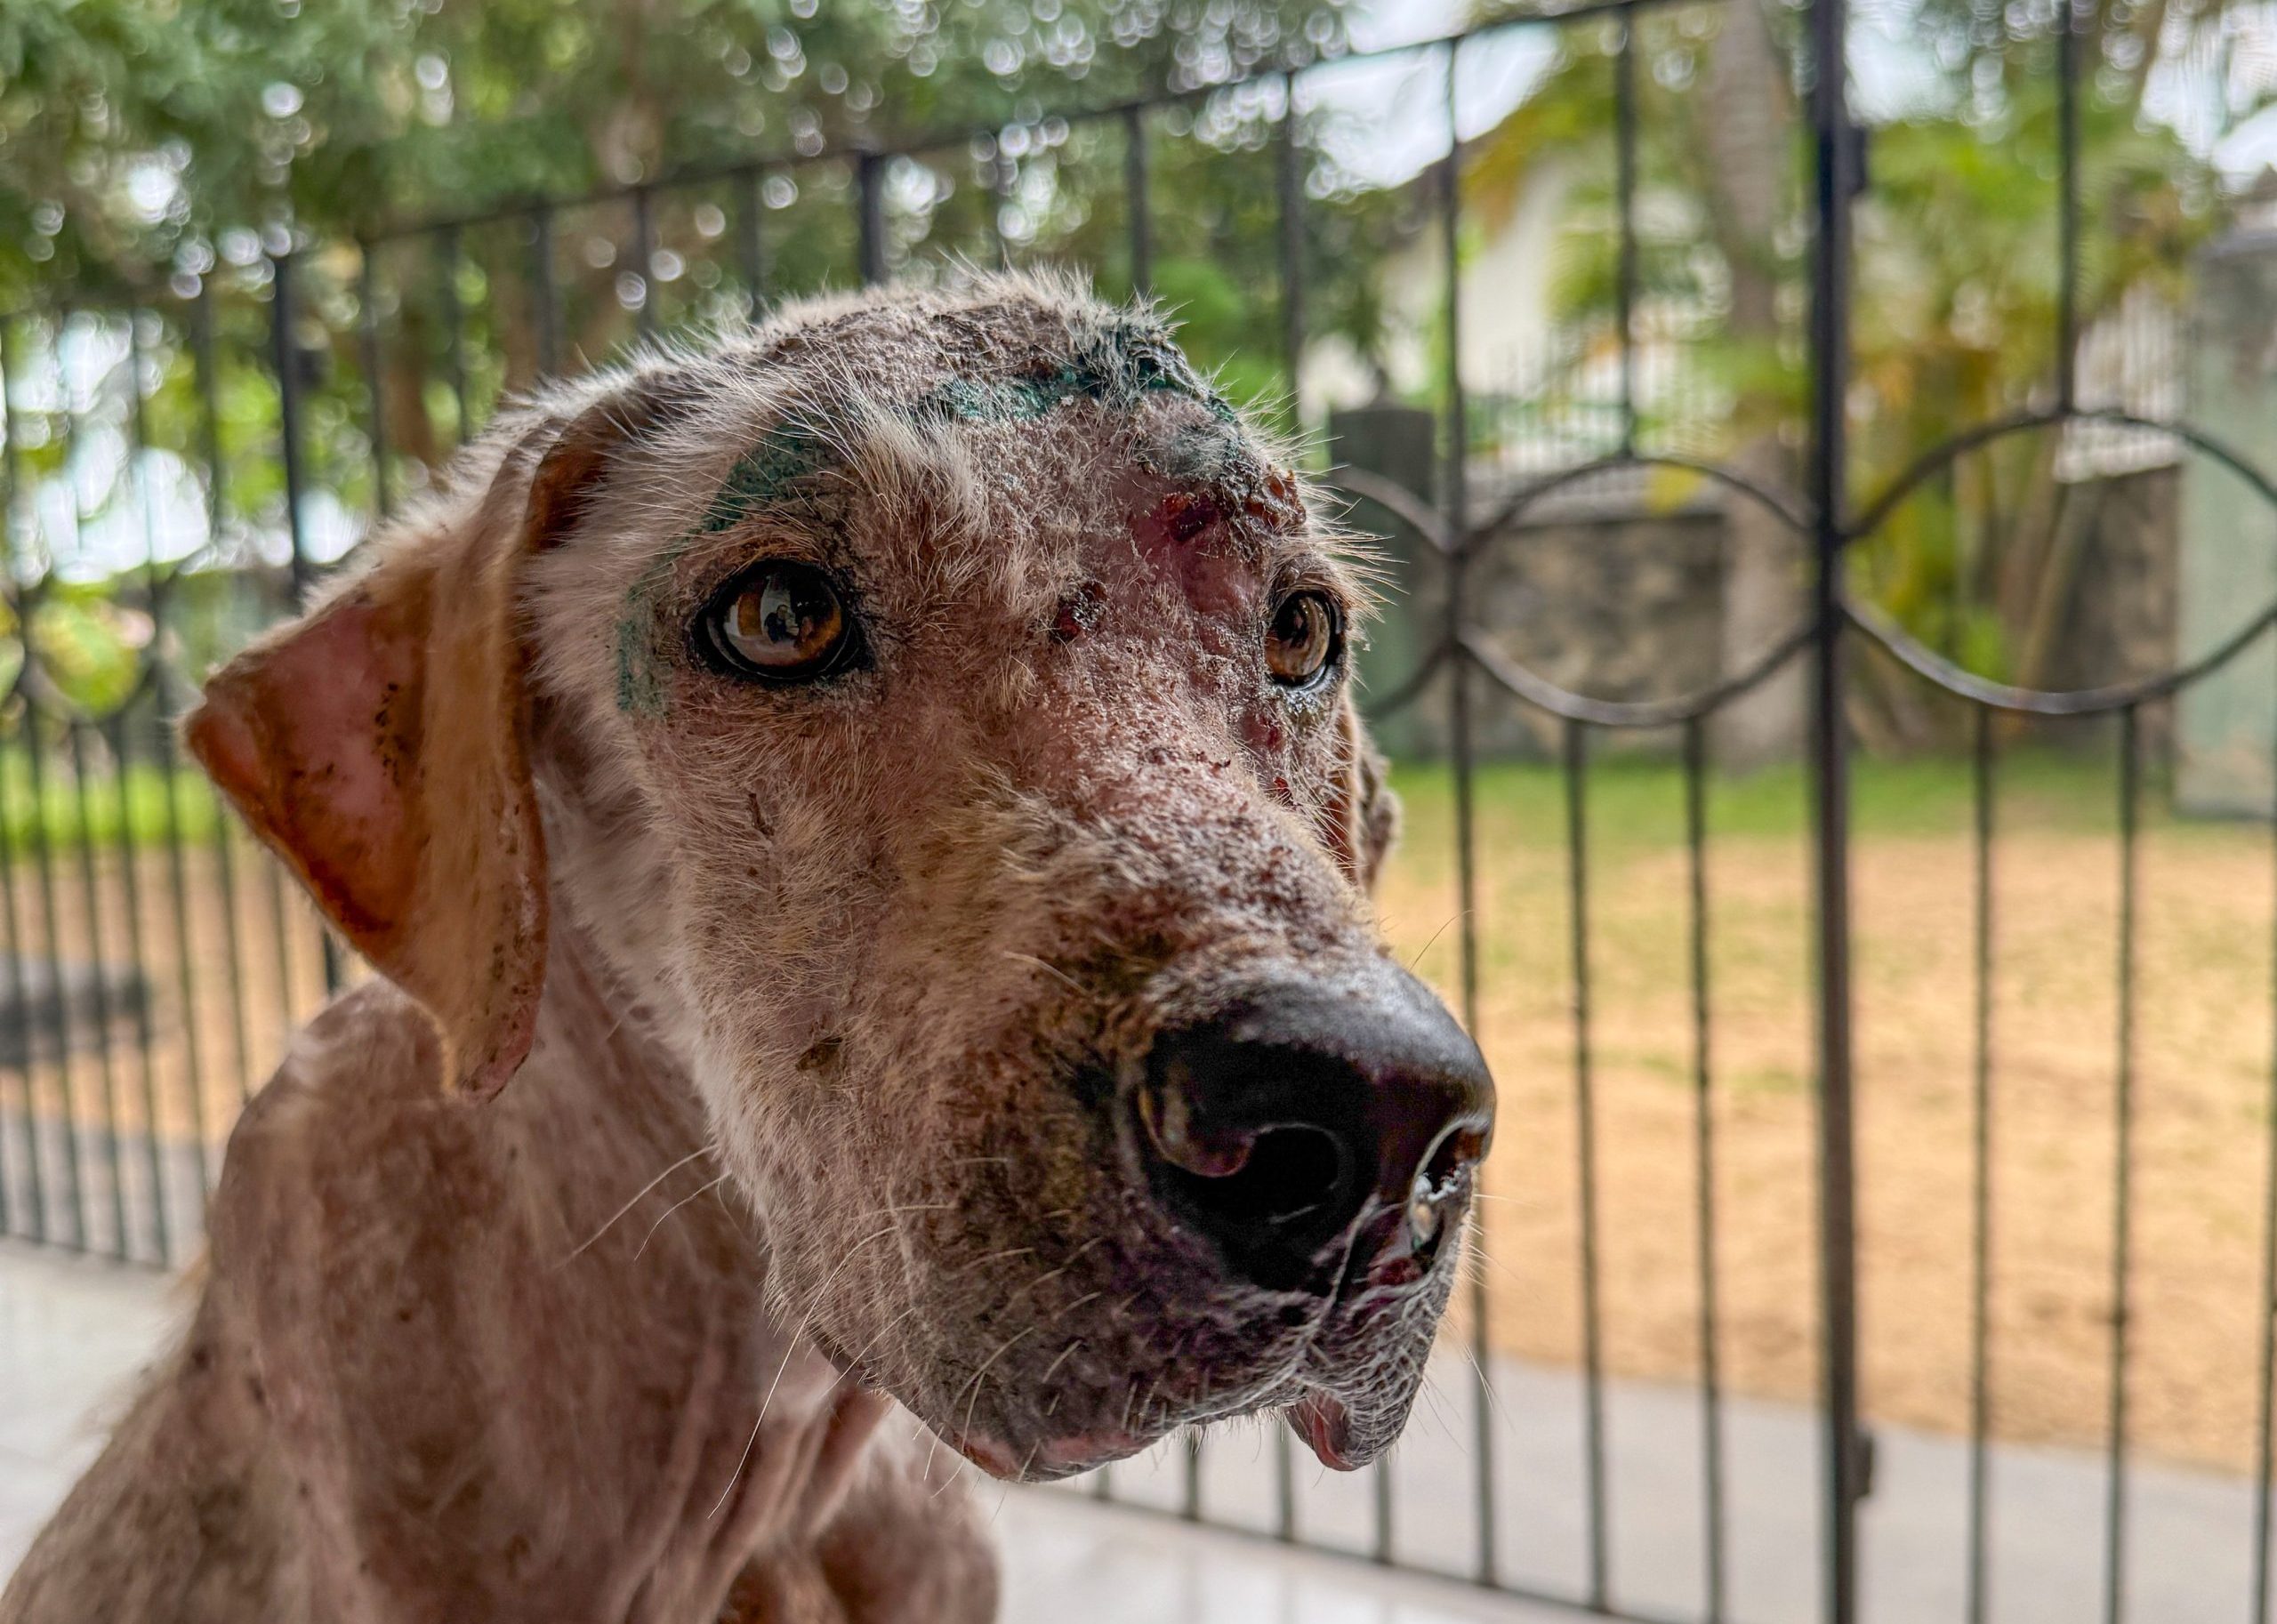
<point x="135" y="133"/>
<point x="153" y="149"/>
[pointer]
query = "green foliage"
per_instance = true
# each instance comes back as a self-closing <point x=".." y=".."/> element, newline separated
<point x="138" y="135"/>
<point x="1956" y="297"/>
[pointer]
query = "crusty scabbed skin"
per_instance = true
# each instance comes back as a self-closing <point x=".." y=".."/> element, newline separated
<point x="892" y="944"/>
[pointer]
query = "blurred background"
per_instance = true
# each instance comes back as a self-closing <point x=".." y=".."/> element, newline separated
<point x="1899" y="1066"/>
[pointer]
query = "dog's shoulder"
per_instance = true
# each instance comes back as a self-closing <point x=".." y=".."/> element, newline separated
<point x="362" y="1058"/>
<point x="320" y="1157"/>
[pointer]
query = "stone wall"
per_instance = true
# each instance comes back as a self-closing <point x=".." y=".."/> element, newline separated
<point x="1601" y="595"/>
<point x="1618" y="588"/>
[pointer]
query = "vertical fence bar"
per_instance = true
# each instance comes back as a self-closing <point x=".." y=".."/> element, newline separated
<point x="59" y="994"/>
<point x="447" y="257"/>
<point x="375" y="389"/>
<point x="869" y="216"/>
<point x="545" y="293"/>
<point x="185" y="949"/>
<point x="1000" y="199"/>
<point x="1135" y="189"/>
<point x="209" y="405"/>
<point x="99" y="991"/>
<point x="1575" y="755"/>
<point x="1284" y="1486"/>
<point x="8" y="1061"/>
<point x="1454" y="498"/>
<point x="75" y="1185"/>
<point x="2067" y="297"/>
<point x="1624" y="128"/>
<point x="644" y="258"/>
<point x="287" y="360"/>
<point x="12" y="468"/>
<point x="1290" y="183"/>
<point x="750" y="242"/>
<point x="139" y="489"/>
<point x="1980" y="1293"/>
<point x="147" y="1065"/>
<point x="21" y="1060"/>
<point x="2263" y="1444"/>
<point x="1703" y="1169"/>
<point x="1833" y="176"/>
<point x="2131" y="795"/>
<point x="1380" y="1534"/>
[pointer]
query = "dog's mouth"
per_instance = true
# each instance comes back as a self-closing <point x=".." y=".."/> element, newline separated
<point x="1331" y="1380"/>
<point x="1321" y="1421"/>
<point x="1337" y="1368"/>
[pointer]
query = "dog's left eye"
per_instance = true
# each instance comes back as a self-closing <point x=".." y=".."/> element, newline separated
<point x="780" y="622"/>
<point x="1303" y="642"/>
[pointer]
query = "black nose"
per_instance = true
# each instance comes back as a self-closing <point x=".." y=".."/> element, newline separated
<point x="1300" y="1111"/>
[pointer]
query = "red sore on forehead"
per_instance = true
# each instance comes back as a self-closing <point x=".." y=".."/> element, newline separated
<point x="1192" y="534"/>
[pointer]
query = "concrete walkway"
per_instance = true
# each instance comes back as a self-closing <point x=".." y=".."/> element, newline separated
<point x="2189" y="1533"/>
<point x="72" y="1332"/>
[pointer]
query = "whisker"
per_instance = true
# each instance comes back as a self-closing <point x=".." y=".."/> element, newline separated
<point x="1049" y="968"/>
<point x="700" y="1190"/>
<point x="1434" y="941"/>
<point x="702" y="1150"/>
<point x="789" y="1351"/>
<point x="1015" y="1251"/>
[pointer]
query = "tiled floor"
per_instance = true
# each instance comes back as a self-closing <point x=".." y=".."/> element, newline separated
<point x="73" y="1333"/>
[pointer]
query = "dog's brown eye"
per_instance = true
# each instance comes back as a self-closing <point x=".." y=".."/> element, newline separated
<point x="780" y="622"/>
<point x="1301" y="646"/>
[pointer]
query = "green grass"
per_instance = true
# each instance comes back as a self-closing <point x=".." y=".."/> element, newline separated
<point x="1636" y="802"/>
<point x="66" y="821"/>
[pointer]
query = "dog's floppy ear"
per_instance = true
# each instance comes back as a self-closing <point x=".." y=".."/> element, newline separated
<point x="378" y="745"/>
<point x="1362" y="813"/>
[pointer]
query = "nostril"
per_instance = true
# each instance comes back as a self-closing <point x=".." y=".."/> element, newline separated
<point x="1286" y="1176"/>
<point x="1433" y="1200"/>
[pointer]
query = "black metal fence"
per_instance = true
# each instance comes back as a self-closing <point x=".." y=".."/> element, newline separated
<point x="179" y="469"/>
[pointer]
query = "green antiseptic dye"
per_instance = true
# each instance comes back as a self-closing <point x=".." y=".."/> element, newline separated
<point x="1117" y="365"/>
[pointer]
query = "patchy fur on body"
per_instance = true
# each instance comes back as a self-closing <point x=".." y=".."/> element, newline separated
<point x="856" y="973"/>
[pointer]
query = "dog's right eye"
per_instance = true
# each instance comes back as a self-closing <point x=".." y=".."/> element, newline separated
<point x="779" y="621"/>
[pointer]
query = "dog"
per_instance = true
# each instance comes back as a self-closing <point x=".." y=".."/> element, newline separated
<point x="886" y="789"/>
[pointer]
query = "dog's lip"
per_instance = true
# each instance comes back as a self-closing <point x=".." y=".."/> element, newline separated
<point x="1321" y="1420"/>
<point x="1064" y="1456"/>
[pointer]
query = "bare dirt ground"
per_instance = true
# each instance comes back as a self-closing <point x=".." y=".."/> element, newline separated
<point x="2200" y="1117"/>
<point x="2202" y="1095"/>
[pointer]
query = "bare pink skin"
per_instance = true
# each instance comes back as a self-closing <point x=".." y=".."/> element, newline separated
<point x="873" y="959"/>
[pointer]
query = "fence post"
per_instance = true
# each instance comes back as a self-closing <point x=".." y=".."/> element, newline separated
<point x="285" y="355"/>
<point x="1454" y="498"/>
<point x="1134" y="190"/>
<point x="1832" y="174"/>
<point x="286" y="348"/>
<point x="870" y="217"/>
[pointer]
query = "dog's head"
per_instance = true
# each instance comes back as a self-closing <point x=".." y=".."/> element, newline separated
<point x="938" y="708"/>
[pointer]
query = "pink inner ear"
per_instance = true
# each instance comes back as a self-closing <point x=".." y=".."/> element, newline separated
<point x="315" y="739"/>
